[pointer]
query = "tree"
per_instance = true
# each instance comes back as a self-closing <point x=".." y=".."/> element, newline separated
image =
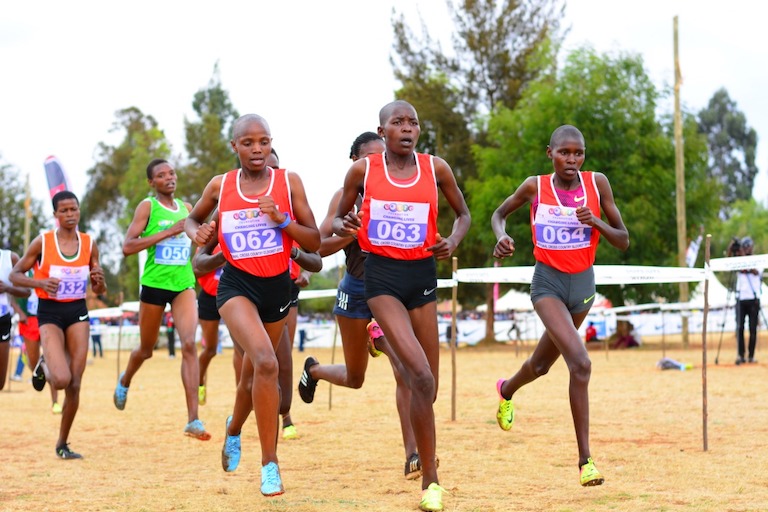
<point x="118" y="182"/>
<point x="614" y="103"/>
<point x="13" y="197"/>
<point x="498" y="48"/>
<point x="207" y="139"/>
<point x="497" y="45"/>
<point x="732" y="147"/>
<point x="747" y="218"/>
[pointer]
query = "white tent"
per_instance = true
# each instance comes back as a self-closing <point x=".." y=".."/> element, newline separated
<point x="513" y="300"/>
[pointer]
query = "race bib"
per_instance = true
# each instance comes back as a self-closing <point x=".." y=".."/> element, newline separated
<point x="398" y="224"/>
<point x="558" y="228"/>
<point x="73" y="281"/>
<point x="248" y="234"/>
<point x="32" y="303"/>
<point x="173" y="250"/>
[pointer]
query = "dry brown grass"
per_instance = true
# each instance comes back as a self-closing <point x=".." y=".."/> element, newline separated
<point x="646" y="439"/>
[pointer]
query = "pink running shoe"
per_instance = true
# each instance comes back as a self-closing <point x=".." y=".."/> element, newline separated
<point x="374" y="333"/>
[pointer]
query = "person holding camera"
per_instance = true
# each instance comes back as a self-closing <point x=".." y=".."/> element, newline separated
<point x="748" y="287"/>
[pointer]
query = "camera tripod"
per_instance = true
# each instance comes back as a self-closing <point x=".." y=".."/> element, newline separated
<point x="731" y="286"/>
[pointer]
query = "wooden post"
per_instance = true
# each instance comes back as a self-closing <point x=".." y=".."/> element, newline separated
<point x="682" y="245"/>
<point x="704" y="412"/>
<point x="452" y="341"/>
<point x="333" y="347"/>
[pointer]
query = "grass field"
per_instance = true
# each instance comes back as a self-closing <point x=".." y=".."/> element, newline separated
<point x="646" y="438"/>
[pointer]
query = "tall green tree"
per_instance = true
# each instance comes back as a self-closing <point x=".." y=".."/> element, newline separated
<point x="498" y="47"/>
<point x="732" y="147"/>
<point x="117" y="183"/>
<point x="614" y="103"/>
<point x="13" y="197"/>
<point x="207" y="138"/>
<point x="747" y="218"/>
<point x="497" y="50"/>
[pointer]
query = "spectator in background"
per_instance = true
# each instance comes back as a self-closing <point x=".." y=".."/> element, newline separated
<point x="591" y="334"/>
<point x="96" y="336"/>
<point x="749" y="284"/>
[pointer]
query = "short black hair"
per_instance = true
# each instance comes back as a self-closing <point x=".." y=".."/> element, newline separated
<point x="361" y="139"/>
<point x="151" y="166"/>
<point x="387" y="109"/>
<point x="241" y="121"/>
<point x="561" y="132"/>
<point x="62" y="196"/>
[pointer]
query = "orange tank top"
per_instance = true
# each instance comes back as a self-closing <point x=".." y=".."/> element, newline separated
<point x="250" y="241"/>
<point x="399" y="219"/>
<point x="73" y="272"/>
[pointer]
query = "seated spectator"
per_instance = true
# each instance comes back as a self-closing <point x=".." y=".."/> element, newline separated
<point x="591" y="334"/>
<point x="627" y="336"/>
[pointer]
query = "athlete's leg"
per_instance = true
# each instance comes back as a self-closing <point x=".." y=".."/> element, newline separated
<point x="285" y="362"/>
<point x="76" y="352"/>
<point x="414" y="338"/>
<point x="285" y="375"/>
<point x="237" y="359"/>
<point x="402" y="396"/>
<point x="184" y="311"/>
<point x="5" y="350"/>
<point x="562" y="328"/>
<point x="259" y="341"/>
<point x="210" y="330"/>
<point x="150" y="318"/>
<point x="354" y="341"/>
<point x="33" y="355"/>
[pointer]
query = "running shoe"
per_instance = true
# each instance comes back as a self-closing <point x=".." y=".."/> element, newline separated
<point x="196" y="429"/>
<point x="63" y="452"/>
<point x="289" y="432"/>
<point x="230" y="453"/>
<point x="16" y="378"/>
<point x="56" y="408"/>
<point x="38" y="375"/>
<point x="201" y="395"/>
<point x="413" y="466"/>
<point x="432" y="498"/>
<point x="121" y="393"/>
<point x="271" y="483"/>
<point x="307" y="384"/>
<point x="589" y="475"/>
<point x="374" y="333"/>
<point x="506" y="413"/>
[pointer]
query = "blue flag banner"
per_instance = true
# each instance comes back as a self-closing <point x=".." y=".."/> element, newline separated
<point x="54" y="172"/>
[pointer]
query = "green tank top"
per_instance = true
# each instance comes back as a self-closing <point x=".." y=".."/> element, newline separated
<point x="168" y="265"/>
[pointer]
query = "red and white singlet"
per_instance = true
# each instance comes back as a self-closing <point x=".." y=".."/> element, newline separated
<point x="250" y="241"/>
<point x="210" y="281"/>
<point x="399" y="218"/>
<point x="559" y="239"/>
